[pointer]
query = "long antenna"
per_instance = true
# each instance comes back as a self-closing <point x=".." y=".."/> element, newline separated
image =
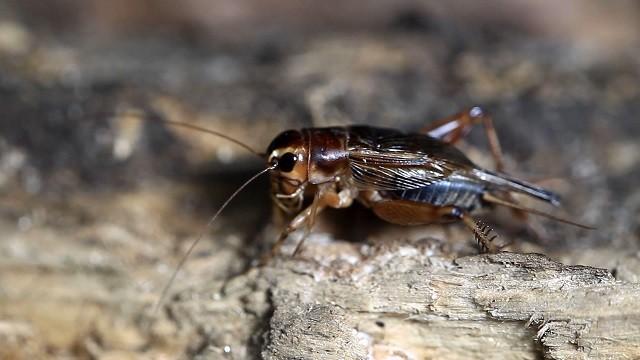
<point x="140" y="116"/>
<point x="493" y="199"/>
<point x="212" y="132"/>
<point x="184" y="258"/>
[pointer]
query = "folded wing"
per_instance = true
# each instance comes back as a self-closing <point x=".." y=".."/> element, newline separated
<point x="390" y="160"/>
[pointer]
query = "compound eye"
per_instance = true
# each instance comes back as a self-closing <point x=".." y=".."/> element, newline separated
<point x="287" y="162"/>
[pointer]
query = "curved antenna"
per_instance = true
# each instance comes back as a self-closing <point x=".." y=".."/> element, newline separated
<point x="140" y="116"/>
<point x="212" y="132"/>
<point x="184" y="258"/>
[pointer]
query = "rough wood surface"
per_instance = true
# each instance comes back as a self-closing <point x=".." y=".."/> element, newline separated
<point x="405" y="304"/>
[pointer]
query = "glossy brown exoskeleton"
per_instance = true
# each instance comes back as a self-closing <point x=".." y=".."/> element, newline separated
<point x="404" y="178"/>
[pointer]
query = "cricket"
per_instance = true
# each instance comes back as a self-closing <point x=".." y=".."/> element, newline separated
<point x="404" y="178"/>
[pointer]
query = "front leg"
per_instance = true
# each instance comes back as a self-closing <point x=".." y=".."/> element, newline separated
<point x="298" y="221"/>
<point x="326" y="195"/>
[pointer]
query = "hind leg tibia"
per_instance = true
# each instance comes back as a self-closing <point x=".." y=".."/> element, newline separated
<point x="452" y="128"/>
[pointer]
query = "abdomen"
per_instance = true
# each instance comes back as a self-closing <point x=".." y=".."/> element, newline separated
<point x="463" y="194"/>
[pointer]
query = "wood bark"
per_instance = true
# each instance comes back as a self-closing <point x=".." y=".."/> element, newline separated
<point x="408" y="305"/>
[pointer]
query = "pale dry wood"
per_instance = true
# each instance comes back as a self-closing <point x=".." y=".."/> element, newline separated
<point x="407" y="304"/>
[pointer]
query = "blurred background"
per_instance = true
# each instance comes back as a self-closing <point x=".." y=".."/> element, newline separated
<point x="97" y="206"/>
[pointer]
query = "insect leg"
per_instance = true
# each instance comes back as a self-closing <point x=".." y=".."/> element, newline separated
<point x="325" y="196"/>
<point x="300" y="220"/>
<point x="483" y="234"/>
<point x="452" y="128"/>
<point x="310" y="221"/>
<point x="322" y="198"/>
<point x="405" y="212"/>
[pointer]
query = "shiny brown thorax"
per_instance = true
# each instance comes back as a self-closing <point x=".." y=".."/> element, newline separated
<point x="328" y="153"/>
